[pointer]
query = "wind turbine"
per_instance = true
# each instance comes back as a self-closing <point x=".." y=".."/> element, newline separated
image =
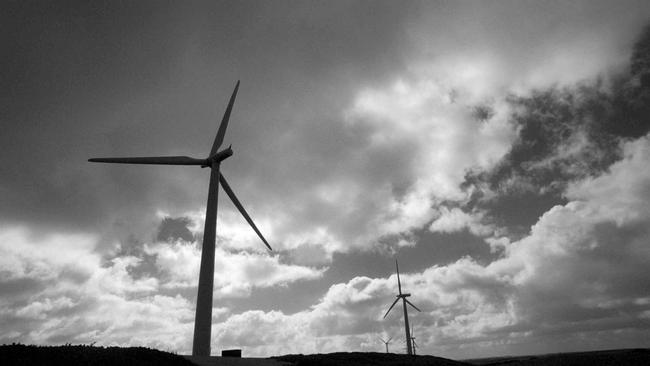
<point x="386" y="342"/>
<point x="409" y="348"/>
<point x="415" y="345"/>
<point x="203" y="319"/>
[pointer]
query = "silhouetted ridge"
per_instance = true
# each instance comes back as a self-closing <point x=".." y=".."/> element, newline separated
<point x="366" y="358"/>
<point x="22" y="355"/>
<point x="627" y="357"/>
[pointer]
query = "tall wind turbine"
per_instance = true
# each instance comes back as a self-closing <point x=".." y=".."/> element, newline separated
<point x="386" y="342"/>
<point x="409" y="348"/>
<point x="203" y="319"/>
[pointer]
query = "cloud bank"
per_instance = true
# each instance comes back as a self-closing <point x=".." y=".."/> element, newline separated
<point x="583" y="259"/>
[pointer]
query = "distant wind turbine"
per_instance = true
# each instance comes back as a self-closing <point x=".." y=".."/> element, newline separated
<point x="386" y="342"/>
<point x="415" y="345"/>
<point x="409" y="348"/>
<point x="203" y="319"/>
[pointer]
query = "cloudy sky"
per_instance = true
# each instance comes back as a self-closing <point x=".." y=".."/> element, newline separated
<point x="498" y="150"/>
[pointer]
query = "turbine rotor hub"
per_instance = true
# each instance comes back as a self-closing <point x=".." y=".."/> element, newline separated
<point x="221" y="155"/>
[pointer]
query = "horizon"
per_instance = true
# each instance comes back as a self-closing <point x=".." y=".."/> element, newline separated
<point x="497" y="150"/>
<point x="335" y="352"/>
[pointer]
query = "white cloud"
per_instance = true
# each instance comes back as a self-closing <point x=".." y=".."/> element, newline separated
<point x="236" y="274"/>
<point x="575" y="276"/>
<point x="580" y="265"/>
<point x="437" y="125"/>
<point x="72" y="296"/>
<point x="116" y="279"/>
<point x="622" y="194"/>
<point x="76" y="296"/>
<point x="413" y="139"/>
<point x="38" y="309"/>
<point x="27" y="255"/>
<point x="373" y="168"/>
<point x="456" y="219"/>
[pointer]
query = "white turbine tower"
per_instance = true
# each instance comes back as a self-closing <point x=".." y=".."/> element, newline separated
<point x="409" y="348"/>
<point x="386" y="342"/>
<point x="203" y="319"/>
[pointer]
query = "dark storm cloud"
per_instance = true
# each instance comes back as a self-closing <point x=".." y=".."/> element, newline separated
<point x="174" y="229"/>
<point x="564" y="135"/>
<point x="69" y="67"/>
<point x="92" y="79"/>
<point x="139" y="79"/>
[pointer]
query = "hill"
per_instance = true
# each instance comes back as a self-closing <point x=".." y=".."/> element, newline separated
<point x="20" y="355"/>
<point x="366" y="358"/>
<point x="628" y="357"/>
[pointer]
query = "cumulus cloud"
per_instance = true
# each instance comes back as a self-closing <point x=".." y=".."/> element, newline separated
<point x="626" y="180"/>
<point x="415" y="138"/>
<point x="455" y="219"/>
<point x="235" y="273"/>
<point x="582" y="258"/>
<point x="359" y="160"/>
<point x="59" y="289"/>
<point x="433" y="137"/>
<point x="25" y="255"/>
<point x="81" y="298"/>
<point x="448" y="114"/>
<point x="337" y="322"/>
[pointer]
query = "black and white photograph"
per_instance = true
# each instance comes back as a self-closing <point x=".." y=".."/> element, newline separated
<point x="312" y="182"/>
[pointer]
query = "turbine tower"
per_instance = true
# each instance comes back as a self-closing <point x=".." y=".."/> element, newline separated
<point x="409" y="348"/>
<point x="386" y="342"/>
<point x="203" y="319"/>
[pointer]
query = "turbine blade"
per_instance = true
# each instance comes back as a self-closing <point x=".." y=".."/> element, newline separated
<point x="233" y="198"/>
<point x="163" y="160"/>
<point x="391" y="307"/>
<point x="399" y="283"/>
<point x="224" y="123"/>
<point x="414" y="307"/>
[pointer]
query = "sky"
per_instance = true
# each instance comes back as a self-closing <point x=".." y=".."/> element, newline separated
<point x="498" y="150"/>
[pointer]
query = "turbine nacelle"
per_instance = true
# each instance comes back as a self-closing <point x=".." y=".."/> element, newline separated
<point x="218" y="157"/>
<point x="403" y="295"/>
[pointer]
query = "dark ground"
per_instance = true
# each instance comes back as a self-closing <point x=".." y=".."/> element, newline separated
<point x="366" y="358"/>
<point x="22" y="355"/>
<point x="627" y="357"/>
<point x="68" y="355"/>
